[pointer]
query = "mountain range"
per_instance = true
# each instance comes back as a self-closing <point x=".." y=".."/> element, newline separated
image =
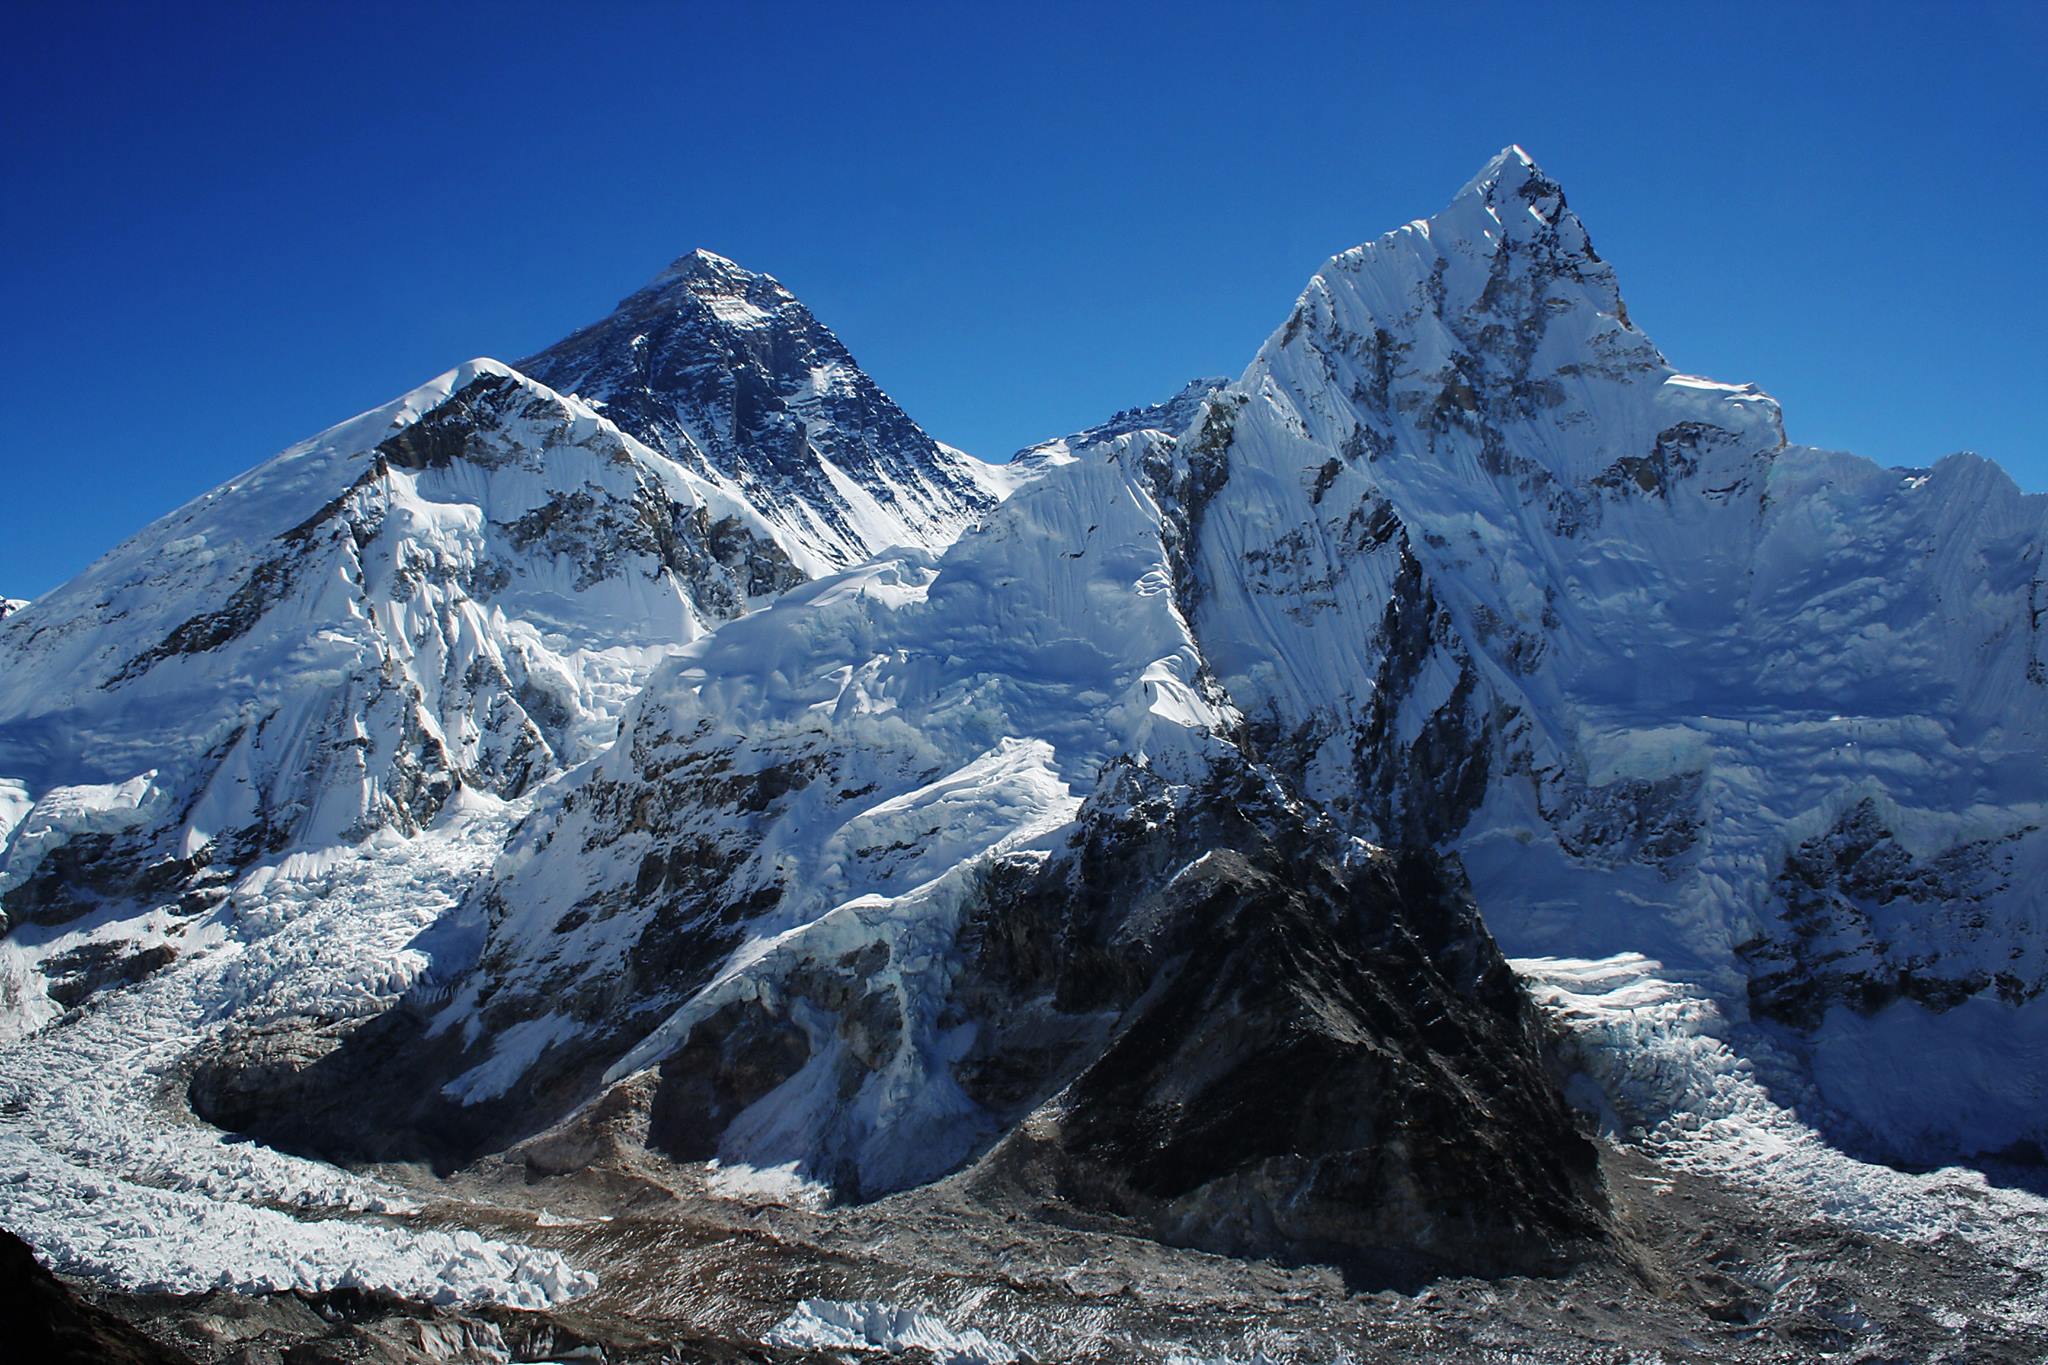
<point x="1383" y="812"/>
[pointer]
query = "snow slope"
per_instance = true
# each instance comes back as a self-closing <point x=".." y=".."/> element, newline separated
<point x="458" y="590"/>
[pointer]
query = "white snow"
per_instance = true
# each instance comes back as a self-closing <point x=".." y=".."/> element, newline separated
<point x="782" y="1184"/>
<point x="1660" y="1055"/>
<point x="15" y="804"/>
<point x="106" y="1174"/>
<point x="92" y="808"/>
<point x="872" y="1328"/>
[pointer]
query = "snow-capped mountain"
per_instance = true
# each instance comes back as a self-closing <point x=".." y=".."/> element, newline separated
<point x="727" y="374"/>
<point x="1459" y="564"/>
<point x="459" y="590"/>
<point x="455" y="593"/>
<point x="11" y="605"/>
<point x="1141" y="832"/>
<point x="1486" y="572"/>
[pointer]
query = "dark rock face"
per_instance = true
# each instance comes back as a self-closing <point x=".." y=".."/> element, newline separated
<point x="725" y="371"/>
<point x="1422" y="793"/>
<point x="43" y="1321"/>
<point x="743" y="1052"/>
<point x="1295" y="1054"/>
<point x="368" y="1090"/>
<point x="86" y="869"/>
<point x="1850" y="931"/>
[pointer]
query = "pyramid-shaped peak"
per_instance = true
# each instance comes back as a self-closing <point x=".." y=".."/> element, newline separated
<point x="1510" y="161"/>
<point x="1505" y="244"/>
<point x="702" y="268"/>
<point x="1511" y="175"/>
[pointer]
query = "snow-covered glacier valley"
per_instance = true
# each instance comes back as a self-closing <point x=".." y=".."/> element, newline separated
<point x="1461" y="842"/>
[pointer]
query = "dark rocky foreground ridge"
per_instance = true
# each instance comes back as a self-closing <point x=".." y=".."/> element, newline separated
<point x="1209" y="1019"/>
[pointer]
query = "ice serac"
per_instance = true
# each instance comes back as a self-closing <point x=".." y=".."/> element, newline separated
<point x="457" y="591"/>
<point x="1487" y="573"/>
<point x="724" y="371"/>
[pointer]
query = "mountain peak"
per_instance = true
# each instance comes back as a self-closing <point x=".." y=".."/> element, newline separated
<point x="1511" y="190"/>
<point x="706" y="266"/>
<point x="1510" y="167"/>
<point x="724" y="371"/>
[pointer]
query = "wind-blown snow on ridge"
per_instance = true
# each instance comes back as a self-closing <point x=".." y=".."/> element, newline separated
<point x="1169" y="418"/>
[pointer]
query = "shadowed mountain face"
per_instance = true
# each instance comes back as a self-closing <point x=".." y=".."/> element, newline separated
<point x="1293" y="1048"/>
<point x="725" y="372"/>
<point x="45" y="1321"/>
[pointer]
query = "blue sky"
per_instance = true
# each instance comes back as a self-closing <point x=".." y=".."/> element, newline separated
<point x="227" y="228"/>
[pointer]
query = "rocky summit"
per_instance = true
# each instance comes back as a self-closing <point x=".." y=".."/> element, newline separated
<point x="1462" y="842"/>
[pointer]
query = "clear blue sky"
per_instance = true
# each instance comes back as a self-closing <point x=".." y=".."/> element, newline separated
<point x="225" y="229"/>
